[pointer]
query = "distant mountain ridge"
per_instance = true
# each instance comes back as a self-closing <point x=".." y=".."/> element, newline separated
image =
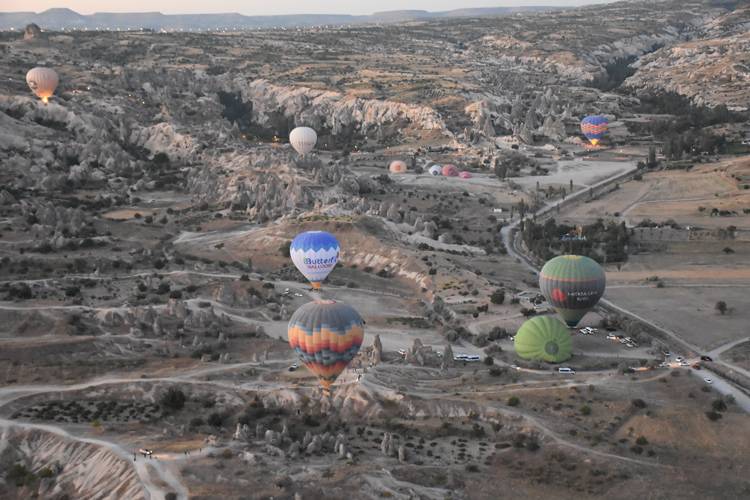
<point x="57" y="19"/>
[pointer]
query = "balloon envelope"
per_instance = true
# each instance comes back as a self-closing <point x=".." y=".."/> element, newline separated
<point x="303" y="139"/>
<point x="594" y="127"/>
<point x="572" y="284"/>
<point x="450" y="170"/>
<point x="436" y="170"/>
<point x="43" y="82"/>
<point x="315" y="254"/>
<point x="543" y="338"/>
<point x="397" y="167"/>
<point x="326" y="336"/>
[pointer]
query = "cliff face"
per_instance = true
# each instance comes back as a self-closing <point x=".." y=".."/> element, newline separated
<point x="79" y="470"/>
<point x="330" y="111"/>
<point x="710" y="72"/>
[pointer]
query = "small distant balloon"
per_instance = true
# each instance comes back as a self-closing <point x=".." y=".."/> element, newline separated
<point x="303" y="139"/>
<point x="43" y="82"/>
<point x="315" y="254"/>
<point x="450" y="170"/>
<point x="397" y="167"/>
<point x="465" y="175"/>
<point x="594" y="127"/>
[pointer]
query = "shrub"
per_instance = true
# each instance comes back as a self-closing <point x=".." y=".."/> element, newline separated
<point x="514" y="401"/>
<point x="638" y="403"/>
<point x="713" y="415"/>
<point x="19" y="475"/>
<point x="721" y="307"/>
<point x="498" y="296"/>
<point x="532" y="443"/>
<point x="719" y="405"/>
<point x="215" y="419"/>
<point x="196" y="422"/>
<point x="585" y="410"/>
<point x="641" y="441"/>
<point x="173" y="399"/>
<point x="20" y="291"/>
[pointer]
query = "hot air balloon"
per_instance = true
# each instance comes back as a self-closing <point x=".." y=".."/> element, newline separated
<point x="465" y="175"/>
<point x="397" y="167"/>
<point x="450" y="170"/>
<point x="326" y="336"/>
<point x="43" y="82"/>
<point x="594" y="127"/>
<point x="315" y="254"/>
<point x="303" y="139"/>
<point x="543" y="338"/>
<point x="573" y="284"/>
<point x="436" y="170"/>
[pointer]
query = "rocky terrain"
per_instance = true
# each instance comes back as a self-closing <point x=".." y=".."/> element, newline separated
<point x="146" y="214"/>
<point x="719" y="55"/>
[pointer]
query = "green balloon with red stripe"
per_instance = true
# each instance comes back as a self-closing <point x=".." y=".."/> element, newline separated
<point x="572" y="284"/>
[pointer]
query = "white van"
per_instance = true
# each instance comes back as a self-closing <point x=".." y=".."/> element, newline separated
<point x="566" y="370"/>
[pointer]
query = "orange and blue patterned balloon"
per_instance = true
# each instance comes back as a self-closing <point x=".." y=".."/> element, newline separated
<point x="326" y="335"/>
<point x="594" y="127"/>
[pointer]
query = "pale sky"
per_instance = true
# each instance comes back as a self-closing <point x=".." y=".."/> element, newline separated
<point x="265" y="7"/>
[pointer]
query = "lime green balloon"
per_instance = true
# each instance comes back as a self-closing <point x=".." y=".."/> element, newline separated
<point x="543" y="338"/>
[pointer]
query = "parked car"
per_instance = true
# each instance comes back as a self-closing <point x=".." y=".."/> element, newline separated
<point x="708" y="380"/>
<point x="293" y="367"/>
<point x="566" y="370"/>
<point x="706" y="358"/>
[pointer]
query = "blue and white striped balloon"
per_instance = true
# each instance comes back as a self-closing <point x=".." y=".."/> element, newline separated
<point x="315" y="254"/>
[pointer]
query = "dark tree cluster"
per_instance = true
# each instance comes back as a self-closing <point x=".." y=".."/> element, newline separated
<point x="604" y="241"/>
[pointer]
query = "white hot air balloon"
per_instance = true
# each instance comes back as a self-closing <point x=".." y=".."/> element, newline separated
<point x="303" y="139"/>
<point x="315" y="253"/>
<point x="43" y="82"/>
